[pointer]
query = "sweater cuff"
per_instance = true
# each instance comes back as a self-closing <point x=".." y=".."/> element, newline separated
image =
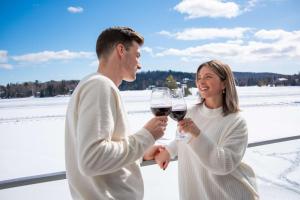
<point x="172" y="149"/>
<point x="145" y="137"/>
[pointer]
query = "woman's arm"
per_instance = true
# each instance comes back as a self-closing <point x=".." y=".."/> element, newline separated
<point x="223" y="157"/>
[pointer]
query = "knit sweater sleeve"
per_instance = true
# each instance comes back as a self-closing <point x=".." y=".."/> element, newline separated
<point x="97" y="153"/>
<point x="224" y="156"/>
<point x="172" y="149"/>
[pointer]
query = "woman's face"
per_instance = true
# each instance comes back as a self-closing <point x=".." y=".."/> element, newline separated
<point x="209" y="84"/>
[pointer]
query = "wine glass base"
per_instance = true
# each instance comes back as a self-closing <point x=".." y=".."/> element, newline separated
<point x="183" y="137"/>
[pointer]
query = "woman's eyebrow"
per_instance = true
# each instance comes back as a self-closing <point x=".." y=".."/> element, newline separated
<point x="208" y="73"/>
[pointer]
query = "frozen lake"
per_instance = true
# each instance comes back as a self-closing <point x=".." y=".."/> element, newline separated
<point x="32" y="142"/>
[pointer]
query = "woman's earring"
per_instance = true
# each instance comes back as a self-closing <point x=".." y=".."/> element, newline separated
<point x="223" y="91"/>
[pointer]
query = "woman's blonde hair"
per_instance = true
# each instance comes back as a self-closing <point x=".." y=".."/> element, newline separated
<point x="229" y="94"/>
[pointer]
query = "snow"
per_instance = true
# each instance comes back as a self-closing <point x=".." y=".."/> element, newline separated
<point x="32" y="142"/>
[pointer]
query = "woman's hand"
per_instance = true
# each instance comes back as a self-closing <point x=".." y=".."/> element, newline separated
<point x="188" y="126"/>
<point x="163" y="158"/>
<point x="152" y="151"/>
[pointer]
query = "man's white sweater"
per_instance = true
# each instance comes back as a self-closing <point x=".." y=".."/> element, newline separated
<point x="101" y="155"/>
<point x="209" y="166"/>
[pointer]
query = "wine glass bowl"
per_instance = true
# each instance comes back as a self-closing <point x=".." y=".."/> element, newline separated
<point x="178" y="115"/>
<point x="161" y="103"/>
<point x="179" y="107"/>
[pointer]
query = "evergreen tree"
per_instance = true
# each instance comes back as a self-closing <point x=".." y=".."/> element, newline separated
<point x="171" y="82"/>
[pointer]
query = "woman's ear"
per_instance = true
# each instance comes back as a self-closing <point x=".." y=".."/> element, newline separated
<point x="223" y="85"/>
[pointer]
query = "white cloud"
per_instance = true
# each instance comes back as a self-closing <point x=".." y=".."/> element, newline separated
<point x="272" y="34"/>
<point x="94" y="63"/>
<point x="5" y="66"/>
<point x="46" y="56"/>
<point x="206" y="33"/>
<point x="286" y="46"/>
<point x="235" y="42"/>
<point x="213" y="8"/>
<point x="219" y="49"/>
<point x="281" y="43"/>
<point x="166" y="33"/>
<point x="250" y="4"/>
<point x="4" y="59"/>
<point x="147" y="50"/>
<point x="73" y="9"/>
<point x="204" y="8"/>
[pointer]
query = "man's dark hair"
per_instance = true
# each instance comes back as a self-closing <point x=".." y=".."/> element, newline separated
<point x="110" y="37"/>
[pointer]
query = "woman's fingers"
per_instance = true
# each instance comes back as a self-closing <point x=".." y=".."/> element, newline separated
<point x="165" y="164"/>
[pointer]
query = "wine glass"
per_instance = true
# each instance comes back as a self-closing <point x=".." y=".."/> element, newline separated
<point x="161" y="101"/>
<point x="178" y="110"/>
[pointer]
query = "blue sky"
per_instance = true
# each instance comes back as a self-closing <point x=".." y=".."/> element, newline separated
<point x="55" y="40"/>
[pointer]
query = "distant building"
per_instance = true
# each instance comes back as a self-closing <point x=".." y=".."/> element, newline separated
<point x="37" y="94"/>
<point x="70" y="92"/>
<point x="150" y="87"/>
<point x="281" y="81"/>
<point x="185" y="80"/>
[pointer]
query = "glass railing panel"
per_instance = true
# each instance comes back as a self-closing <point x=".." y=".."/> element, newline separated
<point x="277" y="167"/>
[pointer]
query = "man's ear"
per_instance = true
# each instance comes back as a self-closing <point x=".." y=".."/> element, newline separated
<point x="120" y="49"/>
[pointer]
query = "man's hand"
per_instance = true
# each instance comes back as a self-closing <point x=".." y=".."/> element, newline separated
<point x="152" y="151"/>
<point x="156" y="126"/>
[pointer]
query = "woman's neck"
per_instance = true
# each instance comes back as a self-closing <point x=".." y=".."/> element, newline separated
<point x="213" y="103"/>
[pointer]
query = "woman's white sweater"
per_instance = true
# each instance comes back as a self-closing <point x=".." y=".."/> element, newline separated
<point x="210" y="166"/>
<point x="101" y="155"/>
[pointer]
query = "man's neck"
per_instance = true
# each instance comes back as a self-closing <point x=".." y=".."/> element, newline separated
<point x="111" y="71"/>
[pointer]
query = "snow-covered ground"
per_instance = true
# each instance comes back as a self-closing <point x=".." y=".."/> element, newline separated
<point x="32" y="142"/>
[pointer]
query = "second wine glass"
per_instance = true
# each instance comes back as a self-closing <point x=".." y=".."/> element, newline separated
<point x="178" y="110"/>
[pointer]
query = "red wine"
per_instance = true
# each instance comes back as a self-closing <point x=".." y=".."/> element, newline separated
<point x="161" y="111"/>
<point x="177" y="115"/>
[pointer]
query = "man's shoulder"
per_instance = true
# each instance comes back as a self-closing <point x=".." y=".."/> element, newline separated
<point x="95" y="77"/>
<point x="96" y="80"/>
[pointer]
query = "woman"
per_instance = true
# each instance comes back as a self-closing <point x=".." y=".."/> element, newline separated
<point x="209" y="165"/>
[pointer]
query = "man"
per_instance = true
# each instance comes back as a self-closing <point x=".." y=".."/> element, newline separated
<point x="102" y="157"/>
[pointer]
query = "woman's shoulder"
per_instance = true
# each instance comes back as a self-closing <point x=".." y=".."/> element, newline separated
<point x="236" y="118"/>
<point x="236" y="115"/>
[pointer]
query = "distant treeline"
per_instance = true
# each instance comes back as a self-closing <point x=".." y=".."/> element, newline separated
<point x="145" y="80"/>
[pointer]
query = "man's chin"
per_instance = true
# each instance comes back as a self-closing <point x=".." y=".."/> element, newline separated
<point x="130" y="79"/>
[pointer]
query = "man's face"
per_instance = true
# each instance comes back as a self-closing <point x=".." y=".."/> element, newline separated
<point x="131" y="62"/>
